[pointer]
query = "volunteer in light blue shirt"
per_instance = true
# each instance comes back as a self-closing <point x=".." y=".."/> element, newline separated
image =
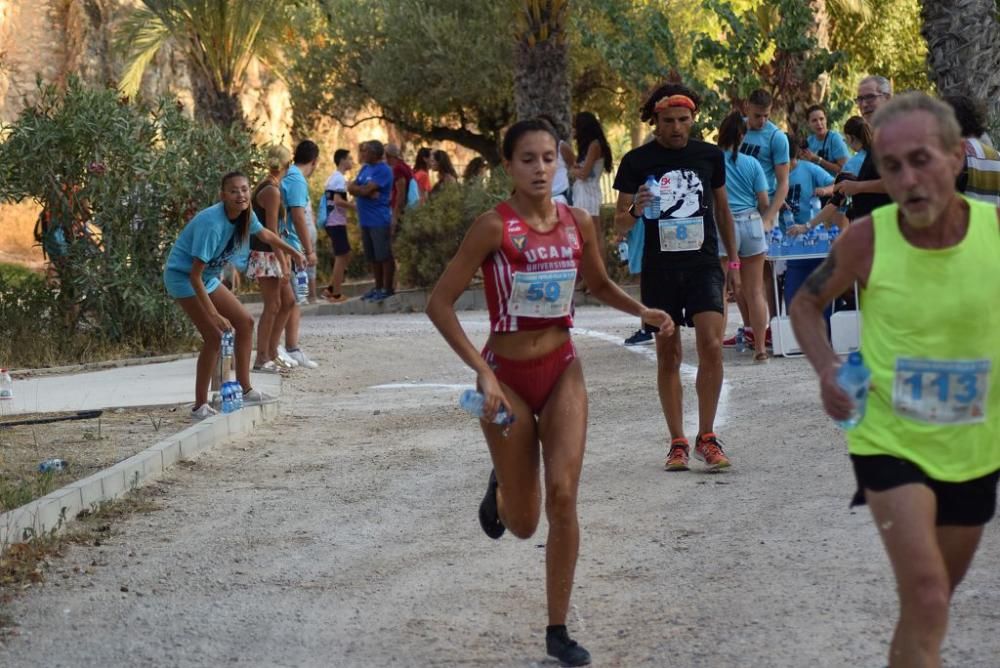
<point x="769" y="145"/>
<point x="191" y="276"/>
<point x="824" y="147"/>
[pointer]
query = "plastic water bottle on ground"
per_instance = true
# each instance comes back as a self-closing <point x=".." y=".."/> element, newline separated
<point x="472" y="403"/>
<point x="301" y="286"/>
<point x="52" y="465"/>
<point x="854" y="377"/>
<point x="6" y="385"/>
<point x="623" y="252"/>
<point x="237" y="394"/>
<point x="652" y="211"/>
<point x="741" y="339"/>
<point x="228" y="395"/>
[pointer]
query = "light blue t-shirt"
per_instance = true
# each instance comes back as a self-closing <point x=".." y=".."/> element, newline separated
<point x="636" y="240"/>
<point x="209" y="237"/>
<point x="744" y="179"/>
<point x="769" y="146"/>
<point x="802" y="184"/>
<point x="833" y="148"/>
<point x="374" y="211"/>
<point x="853" y="164"/>
<point x="294" y="192"/>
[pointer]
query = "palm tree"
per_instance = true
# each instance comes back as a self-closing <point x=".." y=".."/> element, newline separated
<point x="219" y="39"/>
<point x="541" y="71"/>
<point x="962" y="44"/>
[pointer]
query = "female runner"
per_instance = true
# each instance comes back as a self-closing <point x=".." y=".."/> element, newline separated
<point x="530" y="250"/>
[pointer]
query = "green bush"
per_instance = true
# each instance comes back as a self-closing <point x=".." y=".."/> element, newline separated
<point x="117" y="182"/>
<point x="430" y="234"/>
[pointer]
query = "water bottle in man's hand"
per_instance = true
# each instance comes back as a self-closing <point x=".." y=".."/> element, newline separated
<point x="853" y="378"/>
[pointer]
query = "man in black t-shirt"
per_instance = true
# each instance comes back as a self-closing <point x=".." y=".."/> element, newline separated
<point x="867" y="192"/>
<point x="680" y="266"/>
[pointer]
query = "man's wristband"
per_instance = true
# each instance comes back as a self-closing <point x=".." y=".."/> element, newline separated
<point x="631" y="211"/>
<point x="735" y="264"/>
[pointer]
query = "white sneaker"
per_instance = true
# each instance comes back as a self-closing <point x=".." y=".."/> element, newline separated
<point x="303" y="361"/>
<point x="255" y="397"/>
<point x="286" y="358"/>
<point x="202" y="412"/>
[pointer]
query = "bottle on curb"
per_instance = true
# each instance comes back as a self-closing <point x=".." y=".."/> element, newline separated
<point x="52" y="465"/>
<point x="231" y="392"/>
<point x="652" y="210"/>
<point x="853" y="378"/>
<point x="6" y="385"/>
<point x="623" y="252"/>
<point x="472" y="403"/>
<point x="301" y="286"/>
<point x="741" y="339"/>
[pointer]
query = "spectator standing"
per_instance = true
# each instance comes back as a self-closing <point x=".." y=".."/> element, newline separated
<point x="824" y="147"/>
<point x="475" y="171"/>
<point x="594" y="156"/>
<point x="980" y="179"/>
<point x="561" y="191"/>
<point x="867" y="192"/>
<point x="268" y="265"/>
<point x="422" y="172"/>
<point x="295" y="192"/>
<point x="446" y="174"/>
<point x="401" y="177"/>
<point x="372" y="189"/>
<point x="335" y="223"/>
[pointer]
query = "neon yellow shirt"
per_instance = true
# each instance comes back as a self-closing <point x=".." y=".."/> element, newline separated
<point x="931" y="337"/>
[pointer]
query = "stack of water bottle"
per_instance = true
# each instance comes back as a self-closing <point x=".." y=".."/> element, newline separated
<point x="815" y="241"/>
<point x="231" y="392"/>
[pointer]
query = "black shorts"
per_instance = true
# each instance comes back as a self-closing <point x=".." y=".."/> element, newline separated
<point x="971" y="503"/>
<point x="377" y="242"/>
<point x="338" y="237"/>
<point x="683" y="293"/>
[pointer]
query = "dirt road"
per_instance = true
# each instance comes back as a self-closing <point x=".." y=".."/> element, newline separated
<point x="345" y="533"/>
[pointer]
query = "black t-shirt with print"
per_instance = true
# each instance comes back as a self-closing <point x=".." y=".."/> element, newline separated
<point x="687" y="179"/>
<point x="863" y="204"/>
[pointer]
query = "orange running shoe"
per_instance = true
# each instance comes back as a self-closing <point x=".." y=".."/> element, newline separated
<point x="709" y="450"/>
<point x="677" y="459"/>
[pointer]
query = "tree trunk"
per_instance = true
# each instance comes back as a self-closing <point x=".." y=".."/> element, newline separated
<point x="212" y="105"/>
<point x="963" y="48"/>
<point x="541" y="66"/>
<point x="799" y="94"/>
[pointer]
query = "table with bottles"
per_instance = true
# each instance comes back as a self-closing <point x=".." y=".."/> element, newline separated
<point x="812" y="245"/>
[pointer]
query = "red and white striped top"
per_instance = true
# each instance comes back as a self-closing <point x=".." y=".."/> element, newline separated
<point x="528" y="252"/>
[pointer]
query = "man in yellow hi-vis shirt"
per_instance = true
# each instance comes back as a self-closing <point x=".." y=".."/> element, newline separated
<point x="927" y="452"/>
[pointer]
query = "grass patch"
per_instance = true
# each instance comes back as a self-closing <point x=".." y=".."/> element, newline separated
<point x="17" y="491"/>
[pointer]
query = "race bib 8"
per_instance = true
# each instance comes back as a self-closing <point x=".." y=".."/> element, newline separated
<point x="542" y="294"/>
<point x="681" y="234"/>
<point x="941" y="391"/>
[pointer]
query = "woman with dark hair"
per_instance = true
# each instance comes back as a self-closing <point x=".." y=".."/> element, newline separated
<point x="269" y="267"/>
<point x="446" y="174"/>
<point x="475" y="170"/>
<point x="824" y="147"/>
<point x="858" y="135"/>
<point x="561" y="191"/>
<point x="191" y="276"/>
<point x="746" y="187"/>
<point x="594" y="156"/>
<point x="529" y="366"/>
<point x="422" y="172"/>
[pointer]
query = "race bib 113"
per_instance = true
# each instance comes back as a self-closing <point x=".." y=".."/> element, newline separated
<point x="941" y="391"/>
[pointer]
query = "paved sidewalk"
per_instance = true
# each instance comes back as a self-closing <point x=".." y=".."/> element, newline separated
<point x="142" y="385"/>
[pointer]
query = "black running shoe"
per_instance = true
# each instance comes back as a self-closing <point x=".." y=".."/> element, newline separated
<point x="560" y="646"/>
<point x="489" y="514"/>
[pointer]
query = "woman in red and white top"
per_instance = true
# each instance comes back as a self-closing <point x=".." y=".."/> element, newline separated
<point x="530" y="250"/>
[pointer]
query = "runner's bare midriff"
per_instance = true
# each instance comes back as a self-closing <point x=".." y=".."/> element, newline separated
<point x="528" y="344"/>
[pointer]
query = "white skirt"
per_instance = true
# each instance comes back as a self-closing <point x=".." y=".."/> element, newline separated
<point x="587" y="195"/>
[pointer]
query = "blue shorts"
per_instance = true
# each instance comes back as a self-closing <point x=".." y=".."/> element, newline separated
<point x="178" y="284"/>
<point x="750" y="238"/>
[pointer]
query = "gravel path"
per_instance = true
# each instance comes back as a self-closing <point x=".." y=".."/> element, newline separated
<point x="345" y="533"/>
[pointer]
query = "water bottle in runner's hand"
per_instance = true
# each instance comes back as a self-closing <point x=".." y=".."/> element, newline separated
<point x="472" y="402"/>
<point x="652" y="211"/>
<point x="853" y="378"/>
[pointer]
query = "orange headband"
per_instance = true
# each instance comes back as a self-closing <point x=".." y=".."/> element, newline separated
<point x="675" y="101"/>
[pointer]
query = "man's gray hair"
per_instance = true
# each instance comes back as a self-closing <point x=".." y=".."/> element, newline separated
<point x="392" y="150"/>
<point x="949" y="131"/>
<point x="882" y="84"/>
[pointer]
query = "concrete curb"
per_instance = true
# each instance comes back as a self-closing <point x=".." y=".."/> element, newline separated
<point x="100" y="366"/>
<point x="415" y="301"/>
<point x="53" y="511"/>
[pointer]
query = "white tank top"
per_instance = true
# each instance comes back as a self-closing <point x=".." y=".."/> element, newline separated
<point x="560" y="182"/>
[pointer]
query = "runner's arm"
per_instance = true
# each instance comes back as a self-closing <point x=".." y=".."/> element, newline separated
<point x="625" y="221"/>
<point x="596" y="277"/>
<point x="850" y="260"/>
<point x="483" y="238"/>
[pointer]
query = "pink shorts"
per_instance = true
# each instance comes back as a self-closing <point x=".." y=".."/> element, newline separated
<point x="534" y="379"/>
